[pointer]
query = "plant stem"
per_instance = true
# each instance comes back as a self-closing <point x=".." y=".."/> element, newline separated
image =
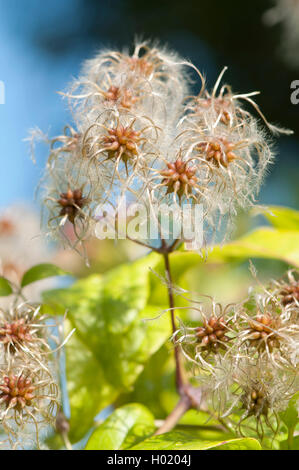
<point x="178" y="366"/>
<point x="66" y="441"/>
<point x="138" y="242"/>
<point x="190" y="397"/>
<point x="62" y="427"/>
<point x="291" y="437"/>
<point x="183" y="405"/>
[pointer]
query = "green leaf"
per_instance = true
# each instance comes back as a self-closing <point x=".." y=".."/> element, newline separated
<point x="113" y="344"/>
<point x="179" y="440"/>
<point x="261" y="243"/>
<point x="264" y="243"/>
<point x="155" y="386"/>
<point x="124" y="428"/>
<point x="5" y="287"/>
<point x="246" y="443"/>
<point x="285" y="445"/>
<point x="88" y="389"/>
<point x="290" y="415"/>
<point x="283" y="217"/>
<point x="41" y="271"/>
<point x="116" y="334"/>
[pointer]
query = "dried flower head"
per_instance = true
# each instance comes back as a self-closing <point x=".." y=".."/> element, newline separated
<point x="150" y="78"/>
<point x="245" y="356"/>
<point x="201" y="344"/>
<point x="121" y="148"/>
<point x="220" y="152"/>
<point x="24" y="332"/>
<point x="71" y="202"/>
<point x="136" y="132"/>
<point x="230" y="164"/>
<point x="15" y="332"/>
<point x="16" y="392"/>
<point x="254" y="392"/>
<point x="225" y="107"/>
<point x="290" y="294"/>
<point x="179" y="178"/>
<point x="123" y="96"/>
<point x="68" y="199"/>
<point x="212" y="335"/>
<point x="29" y="402"/>
<point x="261" y="392"/>
<point x="122" y="143"/>
<point x="264" y="330"/>
<point x="255" y="401"/>
<point x="226" y="148"/>
<point x="286" y="291"/>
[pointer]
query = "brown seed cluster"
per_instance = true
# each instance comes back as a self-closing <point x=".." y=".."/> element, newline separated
<point x="125" y="96"/>
<point x="290" y="294"/>
<point x="218" y="152"/>
<point x="71" y="202"/>
<point x="141" y="66"/>
<point x="16" y="332"/>
<point x="255" y="402"/>
<point x="16" y="392"/>
<point x="212" y="334"/>
<point x="179" y="178"/>
<point x="262" y="332"/>
<point x="220" y="106"/>
<point x="122" y="142"/>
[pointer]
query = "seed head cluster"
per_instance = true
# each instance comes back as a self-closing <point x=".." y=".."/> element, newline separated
<point x="29" y="396"/>
<point x="138" y="131"/>
<point x="246" y="354"/>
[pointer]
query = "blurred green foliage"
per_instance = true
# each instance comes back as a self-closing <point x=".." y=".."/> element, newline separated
<point x="120" y="352"/>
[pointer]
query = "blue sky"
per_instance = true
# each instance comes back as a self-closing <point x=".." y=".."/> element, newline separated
<point x="31" y="80"/>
